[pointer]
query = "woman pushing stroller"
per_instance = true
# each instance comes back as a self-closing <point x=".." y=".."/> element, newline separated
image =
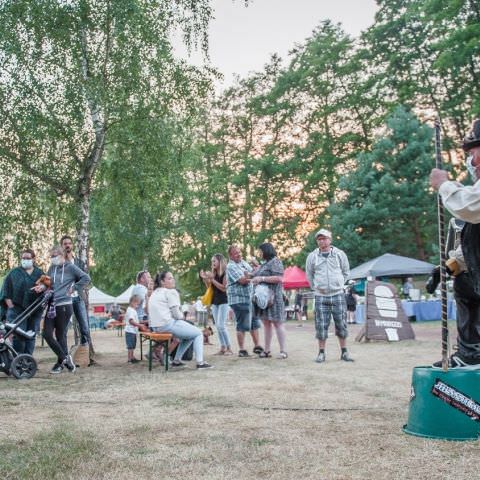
<point x="17" y="297"/>
<point x="66" y="278"/>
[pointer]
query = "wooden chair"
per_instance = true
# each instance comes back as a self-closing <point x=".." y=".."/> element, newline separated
<point x="153" y="338"/>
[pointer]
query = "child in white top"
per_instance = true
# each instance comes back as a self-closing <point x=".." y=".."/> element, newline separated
<point x="131" y="327"/>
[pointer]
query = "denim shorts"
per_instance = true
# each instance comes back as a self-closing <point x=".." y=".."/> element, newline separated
<point x="243" y="316"/>
<point x="131" y="340"/>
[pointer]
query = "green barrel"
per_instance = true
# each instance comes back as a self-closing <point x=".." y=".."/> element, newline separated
<point x="444" y="405"/>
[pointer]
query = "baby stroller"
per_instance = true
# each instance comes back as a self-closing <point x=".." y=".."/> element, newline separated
<point x="22" y="365"/>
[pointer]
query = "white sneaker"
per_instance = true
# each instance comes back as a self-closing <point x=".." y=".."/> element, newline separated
<point x="204" y="365"/>
<point x="70" y="364"/>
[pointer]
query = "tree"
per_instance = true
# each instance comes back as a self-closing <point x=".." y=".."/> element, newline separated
<point x="385" y="204"/>
<point x="77" y="74"/>
<point x="134" y="208"/>
<point x="427" y="56"/>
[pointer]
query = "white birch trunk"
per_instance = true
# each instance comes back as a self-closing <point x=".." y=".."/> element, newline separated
<point x="90" y="165"/>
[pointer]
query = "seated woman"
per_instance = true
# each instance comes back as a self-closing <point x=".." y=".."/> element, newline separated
<point x="165" y="316"/>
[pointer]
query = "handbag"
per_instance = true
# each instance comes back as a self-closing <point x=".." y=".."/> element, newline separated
<point x="263" y="297"/>
<point x="207" y="298"/>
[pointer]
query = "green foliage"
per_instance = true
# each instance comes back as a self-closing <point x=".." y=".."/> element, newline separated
<point x="426" y="54"/>
<point x="75" y="75"/>
<point x="385" y="204"/>
<point x="96" y="109"/>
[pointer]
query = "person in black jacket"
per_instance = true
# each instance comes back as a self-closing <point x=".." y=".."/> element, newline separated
<point x="17" y="295"/>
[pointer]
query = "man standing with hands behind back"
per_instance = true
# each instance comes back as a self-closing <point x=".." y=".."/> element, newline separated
<point x="327" y="271"/>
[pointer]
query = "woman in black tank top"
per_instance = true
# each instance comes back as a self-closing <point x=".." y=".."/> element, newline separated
<point x="218" y="280"/>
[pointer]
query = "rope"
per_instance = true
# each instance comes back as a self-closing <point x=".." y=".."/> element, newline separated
<point x="441" y="246"/>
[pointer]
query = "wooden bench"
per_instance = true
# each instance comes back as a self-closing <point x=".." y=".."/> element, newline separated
<point x="152" y="338"/>
<point x="118" y="326"/>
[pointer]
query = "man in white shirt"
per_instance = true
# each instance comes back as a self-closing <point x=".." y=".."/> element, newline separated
<point x="144" y="282"/>
<point x="464" y="203"/>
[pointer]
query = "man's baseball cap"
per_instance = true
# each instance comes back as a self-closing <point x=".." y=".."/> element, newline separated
<point x="324" y="232"/>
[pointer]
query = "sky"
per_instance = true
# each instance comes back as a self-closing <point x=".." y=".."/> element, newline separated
<point x="243" y="38"/>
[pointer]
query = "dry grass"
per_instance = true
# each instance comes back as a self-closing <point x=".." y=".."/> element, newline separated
<point x="247" y="418"/>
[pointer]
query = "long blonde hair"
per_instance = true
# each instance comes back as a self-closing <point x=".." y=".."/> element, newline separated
<point x="222" y="264"/>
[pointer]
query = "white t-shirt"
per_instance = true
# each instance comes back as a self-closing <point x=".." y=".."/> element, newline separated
<point x="131" y="314"/>
<point x="160" y="304"/>
<point x="141" y="291"/>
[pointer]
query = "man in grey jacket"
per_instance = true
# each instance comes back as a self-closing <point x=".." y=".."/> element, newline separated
<point x="327" y="270"/>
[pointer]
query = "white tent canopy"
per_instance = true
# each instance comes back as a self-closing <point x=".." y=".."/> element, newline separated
<point x="97" y="297"/>
<point x="125" y="296"/>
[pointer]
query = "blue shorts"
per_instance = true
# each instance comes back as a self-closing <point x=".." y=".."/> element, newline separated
<point x="131" y="340"/>
<point x="243" y="316"/>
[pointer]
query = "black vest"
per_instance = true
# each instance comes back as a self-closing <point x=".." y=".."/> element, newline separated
<point x="471" y="252"/>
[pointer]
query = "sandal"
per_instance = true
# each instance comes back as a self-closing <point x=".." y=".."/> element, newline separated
<point x="258" y="349"/>
<point x="265" y="354"/>
<point x="282" y="355"/>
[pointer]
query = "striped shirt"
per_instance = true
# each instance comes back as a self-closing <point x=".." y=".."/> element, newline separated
<point x="236" y="292"/>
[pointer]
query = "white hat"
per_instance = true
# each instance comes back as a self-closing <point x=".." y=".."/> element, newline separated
<point x="324" y="232"/>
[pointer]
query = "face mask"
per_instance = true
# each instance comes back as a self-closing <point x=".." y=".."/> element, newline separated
<point x="56" y="261"/>
<point x="26" y="263"/>
<point x="471" y="169"/>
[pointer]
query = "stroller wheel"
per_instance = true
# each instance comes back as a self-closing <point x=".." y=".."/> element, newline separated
<point x="23" y="366"/>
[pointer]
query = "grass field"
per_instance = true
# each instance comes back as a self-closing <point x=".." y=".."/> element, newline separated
<point x="246" y="419"/>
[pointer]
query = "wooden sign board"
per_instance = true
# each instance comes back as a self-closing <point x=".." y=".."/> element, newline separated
<point x="385" y="318"/>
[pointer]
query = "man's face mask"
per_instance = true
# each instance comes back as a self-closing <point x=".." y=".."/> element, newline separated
<point x="472" y="170"/>
<point x="56" y="261"/>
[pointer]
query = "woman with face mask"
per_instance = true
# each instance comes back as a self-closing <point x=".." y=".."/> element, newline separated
<point x="66" y="278"/>
<point x="17" y="295"/>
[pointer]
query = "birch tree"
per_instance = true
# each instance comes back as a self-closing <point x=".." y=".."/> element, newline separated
<point x="75" y="74"/>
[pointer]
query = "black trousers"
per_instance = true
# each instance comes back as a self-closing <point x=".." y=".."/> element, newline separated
<point x="468" y="316"/>
<point x="59" y="327"/>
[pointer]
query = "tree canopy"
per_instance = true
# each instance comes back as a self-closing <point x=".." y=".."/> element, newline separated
<point x="108" y="134"/>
